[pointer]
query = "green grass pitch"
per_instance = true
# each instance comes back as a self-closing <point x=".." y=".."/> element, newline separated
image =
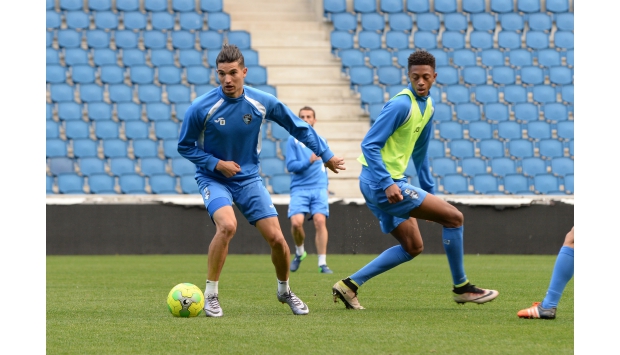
<point x="117" y="305"/>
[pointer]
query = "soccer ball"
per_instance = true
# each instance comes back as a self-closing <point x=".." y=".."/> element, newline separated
<point x="185" y="300"/>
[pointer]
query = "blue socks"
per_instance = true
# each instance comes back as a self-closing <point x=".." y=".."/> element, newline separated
<point x="562" y="273"/>
<point x="453" y="245"/>
<point x="387" y="260"/>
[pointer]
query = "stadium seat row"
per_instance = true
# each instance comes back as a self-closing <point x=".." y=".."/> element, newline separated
<point x="136" y="5"/>
<point x="490" y="148"/>
<point x="518" y="184"/>
<point x="128" y="183"/>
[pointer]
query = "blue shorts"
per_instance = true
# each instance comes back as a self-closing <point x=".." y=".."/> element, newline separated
<point x="308" y="201"/>
<point x="390" y="215"/>
<point x="252" y="199"/>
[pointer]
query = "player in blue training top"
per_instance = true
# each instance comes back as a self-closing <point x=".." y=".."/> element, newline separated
<point x="221" y="134"/>
<point x="563" y="272"/>
<point x="308" y="195"/>
<point x="403" y="130"/>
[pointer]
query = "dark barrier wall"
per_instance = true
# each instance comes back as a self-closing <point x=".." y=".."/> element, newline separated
<point x="173" y="229"/>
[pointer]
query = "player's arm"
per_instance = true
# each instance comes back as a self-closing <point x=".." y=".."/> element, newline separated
<point x="295" y="162"/>
<point x="420" y="158"/>
<point x="392" y="116"/>
<point x="188" y="145"/>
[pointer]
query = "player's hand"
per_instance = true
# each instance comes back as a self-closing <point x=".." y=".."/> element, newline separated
<point x="228" y="168"/>
<point x="313" y="158"/>
<point x="393" y="194"/>
<point x="334" y="164"/>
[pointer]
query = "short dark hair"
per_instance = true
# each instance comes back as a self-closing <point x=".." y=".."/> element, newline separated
<point x="308" y="108"/>
<point x="421" y="57"/>
<point x="230" y="53"/>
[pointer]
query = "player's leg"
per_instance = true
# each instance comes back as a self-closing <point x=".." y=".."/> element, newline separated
<point x="319" y="208"/>
<point x="297" y="229"/>
<point x="437" y="210"/>
<point x="563" y="272"/>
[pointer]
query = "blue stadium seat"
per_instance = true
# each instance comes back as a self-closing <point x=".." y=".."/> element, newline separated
<point x="134" y="20"/>
<point x="163" y="57"/>
<point x="424" y="40"/>
<point x="537" y="40"/>
<point x="568" y="94"/>
<point x="278" y="132"/>
<point x="429" y="22"/>
<point x="468" y="112"/>
<point x="49" y="4"/>
<point x="550" y="148"/>
<point x="113" y="148"/>
<point x="136" y="130"/>
<point x="555" y="112"/>
<point x="560" y="75"/>
<point x="71" y="5"/>
<point x="156" y="5"/>
<point x="539" y="22"/>
<point x="351" y="57"/>
<point x="486" y="94"/>
<point x="111" y="74"/>
<point x="371" y="94"/>
<point x="241" y="39"/>
<point x="106" y="129"/>
<point x="120" y="93"/>
<point x="163" y="184"/>
<point x="447" y="75"/>
<point x="181" y="166"/>
<point x="565" y="21"/>
<point x="330" y="6"/>
<point x="98" y="39"/>
<point x="149" y="93"/>
<point x="76" y="20"/>
<point x="463" y="58"/>
<point x="120" y="165"/>
<point x="361" y="75"/>
<point x="457" y="94"/>
<point x="557" y="6"/>
<point x="84" y="147"/>
<point x="443" y="112"/>
<point x="144" y="148"/>
<point x="511" y="21"/>
<point x="155" y="39"/>
<point x="390" y="75"/>
<point x="516" y="184"/>
<point x="211" y="40"/>
<point x="69" y="38"/>
<point x="548" y="57"/>
<point x="55" y="147"/>
<point x="201" y="89"/>
<point x="418" y="6"/>
<point x="180" y="109"/>
<point x="503" y="75"/>
<point x="59" y="165"/>
<point x="127" y="5"/>
<point x="91" y="93"/>
<point x="100" y="5"/>
<point x="533" y="166"/>
<point x="520" y="148"/>
<point x="474" y="75"/>
<point x="525" y="112"/>
<point x="569" y="183"/>
<point x="211" y="5"/>
<point x="461" y="148"/>
<point x="105" y="20"/>
<point x="133" y="57"/>
<point x="436" y="149"/>
<point x="372" y="21"/>
<point x="166" y="130"/>
<point x="152" y="165"/>
<point x="445" y="6"/>
<point x="544" y="94"/>
<point x="528" y="6"/>
<point x="566" y="130"/>
<point x="188" y="184"/>
<point x="272" y="166"/>
<point x="68" y="111"/>
<point x="492" y="58"/>
<point x="98" y="111"/>
<point x="170" y="148"/>
<point x="508" y="130"/>
<point x="486" y="184"/>
<point x="402" y="58"/>
<point x="282" y="147"/>
<point x="126" y="39"/>
<point x="101" y="184"/>
<point x="509" y="40"/>
<point x="443" y="166"/>
<point x="479" y="130"/>
<point x="455" y="22"/>
<point x="52" y="19"/>
<point x="104" y="56"/>
<point x="158" y="111"/>
<point x="546" y="184"/>
<point x="55" y="73"/>
<point x="537" y="130"/>
<point x="141" y="74"/>
<point x="132" y="183"/>
<point x="344" y="21"/>
<point x="473" y="6"/>
<point x="198" y="75"/>
<point x="520" y="58"/>
<point x="531" y="75"/>
<point x="515" y="94"/>
<point x="450" y="130"/>
<point x="280" y="183"/>
<point x="91" y="165"/>
<point x="268" y="149"/>
<point x="455" y="184"/>
<point x="379" y="58"/>
<point x="183" y="5"/>
<point x="502" y="6"/>
<point x="169" y="75"/>
<point x="481" y="40"/>
<point x="369" y="40"/>
<point x="74" y="56"/>
<point x="400" y="21"/>
<point x="491" y="148"/>
<point x="187" y="57"/>
<point x="364" y="6"/>
<point x="70" y="183"/>
<point x="183" y="39"/>
<point x="391" y="6"/>
<point x="435" y="94"/>
<point x="502" y="166"/>
<point x="496" y="112"/>
<point x="61" y="92"/>
<point x="397" y="40"/>
<point x="256" y="75"/>
<point x="49" y="182"/>
<point x="453" y="40"/>
<point x="178" y="93"/>
<point x="483" y="22"/>
<point x="161" y="21"/>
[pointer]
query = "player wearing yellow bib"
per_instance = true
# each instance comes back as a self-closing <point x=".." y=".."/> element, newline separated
<point x="403" y="130"/>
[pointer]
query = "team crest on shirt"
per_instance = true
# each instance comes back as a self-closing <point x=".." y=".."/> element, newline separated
<point x="206" y="193"/>
<point x="411" y="193"/>
<point x="247" y="118"/>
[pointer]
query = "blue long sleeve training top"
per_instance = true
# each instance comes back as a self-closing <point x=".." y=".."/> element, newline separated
<point x="304" y="175"/>
<point x="392" y="116"/>
<point x="217" y="127"/>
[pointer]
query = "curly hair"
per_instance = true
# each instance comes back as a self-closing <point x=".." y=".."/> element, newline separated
<point x="421" y="57"/>
<point x="230" y="54"/>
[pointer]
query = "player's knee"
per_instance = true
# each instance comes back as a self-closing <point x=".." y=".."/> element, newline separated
<point x="227" y="228"/>
<point x="569" y="240"/>
<point x="297" y="224"/>
<point x="455" y="218"/>
<point x="319" y="221"/>
<point x="415" y="250"/>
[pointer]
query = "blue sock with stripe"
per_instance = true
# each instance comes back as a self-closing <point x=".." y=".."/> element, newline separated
<point x="453" y="245"/>
<point x="562" y="273"/>
<point x="387" y="260"/>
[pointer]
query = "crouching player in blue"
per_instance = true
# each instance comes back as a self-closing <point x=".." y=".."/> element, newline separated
<point x="220" y="134"/>
<point x="403" y="130"/>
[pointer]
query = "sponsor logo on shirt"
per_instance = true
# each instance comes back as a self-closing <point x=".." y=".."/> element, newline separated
<point x="220" y="120"/>
<point x="247" y="118"/>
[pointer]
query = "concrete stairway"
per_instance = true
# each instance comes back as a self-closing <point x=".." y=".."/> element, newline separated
<point x="293" y="43"/>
